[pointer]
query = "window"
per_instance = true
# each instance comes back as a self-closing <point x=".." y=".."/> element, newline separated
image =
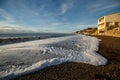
<point x="116" y="23"/>
<point x="107" y="24"/>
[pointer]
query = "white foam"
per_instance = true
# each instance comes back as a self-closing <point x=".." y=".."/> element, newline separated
<point x="22" y="58"/>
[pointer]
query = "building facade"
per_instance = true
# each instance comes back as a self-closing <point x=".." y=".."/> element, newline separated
<point x="107" y="21"/>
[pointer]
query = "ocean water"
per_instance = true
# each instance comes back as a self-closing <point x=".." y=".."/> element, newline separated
<point x="22" y="35"/>
<point x="10" y="38"/>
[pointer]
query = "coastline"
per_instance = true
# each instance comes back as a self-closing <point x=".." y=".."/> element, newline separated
<point x="108" y="47"/>
<point x="23" y="58"/>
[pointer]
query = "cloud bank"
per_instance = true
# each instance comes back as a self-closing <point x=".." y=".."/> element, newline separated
<point x="11" y="29"/>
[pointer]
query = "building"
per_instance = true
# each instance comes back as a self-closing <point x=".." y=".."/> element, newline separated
<point x="108" y="20"/>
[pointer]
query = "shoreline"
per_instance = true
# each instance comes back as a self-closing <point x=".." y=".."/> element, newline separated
<point x="74" y="71"/>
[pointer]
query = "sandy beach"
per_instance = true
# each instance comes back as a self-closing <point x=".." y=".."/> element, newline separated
<point x="108" y="47"/>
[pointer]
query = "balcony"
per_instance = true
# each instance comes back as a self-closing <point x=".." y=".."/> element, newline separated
<point x="101" y="20"/>
<point x="100" y="24"/>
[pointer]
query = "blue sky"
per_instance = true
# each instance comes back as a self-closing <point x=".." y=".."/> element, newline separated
<point x="64" y="16"/>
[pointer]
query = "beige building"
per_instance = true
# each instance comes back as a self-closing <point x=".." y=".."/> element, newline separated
<point x="106" y="21"/>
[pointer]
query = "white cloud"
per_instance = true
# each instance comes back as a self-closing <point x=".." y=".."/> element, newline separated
<point x="6" y="16"/>
<point x="106" y="7"/>
<point x="102" y="6"/>
<point x="66" y="6"/>
<point x="16" y="29"/>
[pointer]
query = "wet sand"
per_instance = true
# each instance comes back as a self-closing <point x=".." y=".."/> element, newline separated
<point x="109" y="47"/>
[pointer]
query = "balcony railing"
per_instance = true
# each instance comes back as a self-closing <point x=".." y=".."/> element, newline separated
<point x="101" y="20"/>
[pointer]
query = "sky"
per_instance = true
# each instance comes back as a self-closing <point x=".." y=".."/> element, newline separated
<point x="61" y="16"/>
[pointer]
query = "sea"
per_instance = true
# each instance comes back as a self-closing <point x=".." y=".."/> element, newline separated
<point x="24" y="35"/>
<point x="10" y="38"/>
